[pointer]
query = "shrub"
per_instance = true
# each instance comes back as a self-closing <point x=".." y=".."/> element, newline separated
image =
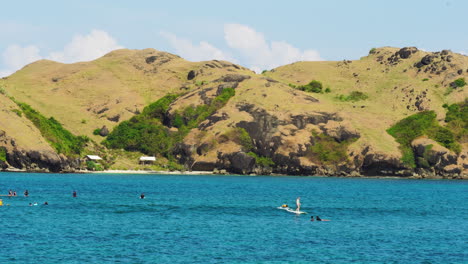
<point x="354" y="96"/>
<point x="372" y="51"/>
<point x="58" y="137"/>
<point x="327" y="150"/>
<point x="91" y="165"/>
<point x="457" y="120"/>
<point x="423" y="123"/>
<point x="96" y="131"/>
<point x="159" y="108"/>
<point x="425" y="79"/>
<point x="328" y="90"/>
<point x="240" y="136"/>
<point x="18" y="112"/>
<point x="312" y="87"/>
<point x="3" y="154"/>
<point x="460" y="82"/>
<point x="262" y="161"/>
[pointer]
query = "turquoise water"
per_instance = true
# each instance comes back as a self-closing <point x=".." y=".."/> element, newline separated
<point x="231" y="219"/>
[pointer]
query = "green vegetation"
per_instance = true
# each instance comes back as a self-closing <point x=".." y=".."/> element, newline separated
<point x="93" y="166"/>
<point x="354" y="96"/>
<point x="3" y="153"/>
<point x="312" y="87"/>
<point x="2" y="90"/>
<point x="372" y="51"/>
<point x="59" y="138"/>
<point x="425" y="79"/>
<point x="460" y="82"/>
<point x="200" y="83"/>
<point x="83" y="121"/>
<point x="240" y="136"/>
<point x="328" y="90"/>
<point x="327" y="150"/>
<point x="457" y="120"/>
<point x="96" y="131"/>
<point x="262" y="161"/>
<point x="192" y="116"/>
<point x="146" y="132"/>
<point x="17" y="112"/>
<point x="414" y="126"/>
<point x="264" y="71"/>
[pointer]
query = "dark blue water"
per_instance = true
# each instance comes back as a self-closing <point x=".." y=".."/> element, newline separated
<point x="231" y="219"/>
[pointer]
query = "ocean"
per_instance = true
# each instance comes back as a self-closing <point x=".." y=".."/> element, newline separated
<point x="231" y="219"/>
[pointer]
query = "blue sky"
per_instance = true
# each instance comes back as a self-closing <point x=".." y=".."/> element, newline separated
<point x="257" y="34"/>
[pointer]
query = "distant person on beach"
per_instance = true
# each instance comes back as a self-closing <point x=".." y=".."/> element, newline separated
<point x="26" y="193"/>
<point x="74" y="194"/>
<point x="298" y="204"/>
<point x="142" y="196"/>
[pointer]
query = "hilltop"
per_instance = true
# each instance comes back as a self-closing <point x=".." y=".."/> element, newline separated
<point x="305" y="118"/>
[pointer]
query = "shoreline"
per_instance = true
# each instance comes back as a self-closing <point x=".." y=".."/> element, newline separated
<point x="151" y="172"/>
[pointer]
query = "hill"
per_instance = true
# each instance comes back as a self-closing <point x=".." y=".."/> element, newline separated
<point x="307" y="118"/>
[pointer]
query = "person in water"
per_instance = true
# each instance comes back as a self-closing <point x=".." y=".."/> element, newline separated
<point x="26" y="193"/>
<point x="74" y="194"/>
<point x="312" y="218"/>
<point x="142" y="196"/>
<point x="320" y="219"/>
<point x="46" y="203"/>
<point x="298" y="204"/>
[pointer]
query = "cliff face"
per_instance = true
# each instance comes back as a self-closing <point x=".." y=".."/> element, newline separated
<point x="270" y="125"/>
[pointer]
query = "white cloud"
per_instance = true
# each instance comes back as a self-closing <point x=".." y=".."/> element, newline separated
<point x="260" y="54"/>
<point x="86" y="48"/>
<point x="251" y="46"/>
<point x="81" y="48"/>
<point x="202" y="51"/>
<point x="15" y="57"/>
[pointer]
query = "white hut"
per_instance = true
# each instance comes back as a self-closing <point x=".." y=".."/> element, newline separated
<point x="93" y="158"/>
<point x="147" y="160"/>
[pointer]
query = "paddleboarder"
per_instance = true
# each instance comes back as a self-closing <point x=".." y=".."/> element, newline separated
<point x="298" y="204"/>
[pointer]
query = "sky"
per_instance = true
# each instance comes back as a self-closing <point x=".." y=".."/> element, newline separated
<point x="260" y="35"/>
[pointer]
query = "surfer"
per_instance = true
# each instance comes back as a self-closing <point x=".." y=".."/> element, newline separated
<point x="312" y="218"/>
<point x="74" y="194"/>
<point x="46" y="203"/>
<point x="298" y="204"/>
<point x="26" y="193"/>
<point x="142" y="196"/>
<point x="284" y="206"/>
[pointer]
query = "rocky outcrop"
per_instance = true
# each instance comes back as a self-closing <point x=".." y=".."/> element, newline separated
<point x="104" y="131"/>
<point x="237" y="162"/>
<point x="34" y="160"/>
<point x="434" y="159"/>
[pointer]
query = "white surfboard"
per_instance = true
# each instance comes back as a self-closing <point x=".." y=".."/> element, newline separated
<point x="287" y="209"/>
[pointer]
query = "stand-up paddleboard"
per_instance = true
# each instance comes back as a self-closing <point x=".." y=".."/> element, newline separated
<point x="287" y="209"/>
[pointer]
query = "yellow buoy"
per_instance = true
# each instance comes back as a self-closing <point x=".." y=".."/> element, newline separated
<point x="1" y="202"/>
